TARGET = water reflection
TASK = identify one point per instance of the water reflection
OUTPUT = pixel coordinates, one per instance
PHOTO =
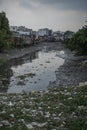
(35, 75)
(6, 71)
(27, 58)
(32, 72)
(5, 75)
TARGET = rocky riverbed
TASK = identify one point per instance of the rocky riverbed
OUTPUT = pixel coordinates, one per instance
(73, 71)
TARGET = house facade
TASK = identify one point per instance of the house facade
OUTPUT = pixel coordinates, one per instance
(21, 34)
(59, 36)
(43, 34)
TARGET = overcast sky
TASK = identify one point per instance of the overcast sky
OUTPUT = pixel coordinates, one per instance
(55, 14)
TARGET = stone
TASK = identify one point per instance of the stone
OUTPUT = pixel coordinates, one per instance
(0, 82)
(1, 125)
(12, 115)
(10, 104)
(81, 84)
(21, 120)
(29, 126)
(39, 124)
(5, 123)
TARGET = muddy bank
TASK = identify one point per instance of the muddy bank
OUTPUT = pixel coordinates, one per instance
(20, 52)
(71, 73)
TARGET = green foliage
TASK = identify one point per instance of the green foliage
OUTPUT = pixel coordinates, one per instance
(1, 61)
(4, 31)
(79, 42)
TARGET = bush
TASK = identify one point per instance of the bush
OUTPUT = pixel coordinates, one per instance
(79, 42)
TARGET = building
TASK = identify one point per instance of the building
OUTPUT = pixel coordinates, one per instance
(44, 32)
(21, 34)
(22, 30)
(13, 28)
(59, 36)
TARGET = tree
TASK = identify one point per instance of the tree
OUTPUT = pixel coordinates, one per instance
(4, 31)
(79, 41)
(68, 35)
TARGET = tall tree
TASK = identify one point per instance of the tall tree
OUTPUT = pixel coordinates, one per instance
(79, 41)
(4, 31)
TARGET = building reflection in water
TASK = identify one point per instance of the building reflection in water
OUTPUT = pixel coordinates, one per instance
(6, 72)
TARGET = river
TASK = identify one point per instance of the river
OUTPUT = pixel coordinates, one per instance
(34, 71)
(50, 65)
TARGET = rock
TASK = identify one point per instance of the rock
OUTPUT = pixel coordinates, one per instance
(86, 83)
(39, 124)
(61, 52)
(21, 121)
(10, 104)
(68, 94)
(2, 112)
(12, 115)
(40, 108)
(29, 126)
(5, 123)
(57, 118)
(81, 107)
(0, 82)
(47, 114)
(70, 98)
(1, 125)
(60, 113)
(11, 118)
(82, 84)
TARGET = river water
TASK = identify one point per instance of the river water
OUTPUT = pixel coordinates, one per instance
(32, 72)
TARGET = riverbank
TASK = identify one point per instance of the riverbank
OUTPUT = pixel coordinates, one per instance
(59, 108)
(71, 73)
(20, 52)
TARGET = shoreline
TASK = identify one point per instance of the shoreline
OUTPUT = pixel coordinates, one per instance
(20, 52)
(71, 73)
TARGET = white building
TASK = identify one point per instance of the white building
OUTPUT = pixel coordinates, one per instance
(59, 36)
(44, 32)
(22, 30)
(13, 28)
